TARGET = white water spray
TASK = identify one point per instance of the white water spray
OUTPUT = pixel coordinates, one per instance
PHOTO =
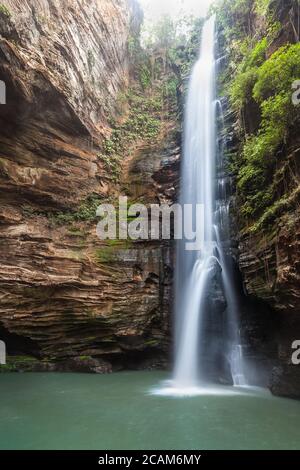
(198, 168)
(193, 270)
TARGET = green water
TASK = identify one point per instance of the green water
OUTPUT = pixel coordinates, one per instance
(76, 411)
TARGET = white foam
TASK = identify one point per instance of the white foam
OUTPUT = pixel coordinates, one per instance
(171, 389)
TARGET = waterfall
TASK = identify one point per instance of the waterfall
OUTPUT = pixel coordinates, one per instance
(235, 348)
(198, 168)
(193, 268)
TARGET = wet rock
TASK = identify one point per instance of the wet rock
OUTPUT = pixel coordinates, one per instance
(86, 365)
(213, 353)
(285, 381)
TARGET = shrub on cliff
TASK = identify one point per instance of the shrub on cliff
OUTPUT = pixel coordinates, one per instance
(272, 91)
(259, 86)
(278, 73)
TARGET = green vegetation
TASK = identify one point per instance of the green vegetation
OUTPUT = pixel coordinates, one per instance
(240, 90)
(17, 363)
(271, 90)
(280, 207)
(263, 83)
(141, 112)
(262, 7)
(133, 47)
(142, 124)
(156, 71)
(74, 230)
(278, 73)
(86, 212)
(177, 42)
(4, 11)
(151, 343)
(145, 77)
(85, 358)
(105, 256)
(108, 253)
(170, 88)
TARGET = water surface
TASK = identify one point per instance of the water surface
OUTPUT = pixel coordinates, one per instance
(106, 412)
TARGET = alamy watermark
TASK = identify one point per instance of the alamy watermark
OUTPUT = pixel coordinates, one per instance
(2, 353)
(2, 92)
(158, 222)
(296, 353)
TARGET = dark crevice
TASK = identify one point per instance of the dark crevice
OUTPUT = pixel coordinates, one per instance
(18, 345)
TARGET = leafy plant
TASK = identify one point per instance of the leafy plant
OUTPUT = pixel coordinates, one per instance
(145, 76)
(278, 73)
(265, 83)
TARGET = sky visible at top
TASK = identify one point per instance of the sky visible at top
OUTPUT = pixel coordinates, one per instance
(155, 9)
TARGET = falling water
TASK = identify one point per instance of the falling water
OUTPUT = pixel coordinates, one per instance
(235, 348)
(194, 268)
(198, 168)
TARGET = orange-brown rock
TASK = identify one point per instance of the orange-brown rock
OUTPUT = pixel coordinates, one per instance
(63, 293)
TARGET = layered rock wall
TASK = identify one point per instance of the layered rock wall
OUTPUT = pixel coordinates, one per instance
(65, 297)
(269, 257)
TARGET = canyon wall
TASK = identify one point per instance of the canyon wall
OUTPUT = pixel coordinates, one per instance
(80, 127)
(268, 235)
(270, 259)
(68, 300)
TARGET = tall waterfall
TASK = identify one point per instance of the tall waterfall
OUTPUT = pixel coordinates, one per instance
(194, 268)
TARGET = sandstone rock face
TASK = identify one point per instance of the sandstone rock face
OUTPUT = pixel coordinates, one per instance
(64, 65)
(270, 267)
(270, 259)
(66, 295)
(74, 50)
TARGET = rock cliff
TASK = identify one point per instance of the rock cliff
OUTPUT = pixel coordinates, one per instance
(268, 239)
(68, 299)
